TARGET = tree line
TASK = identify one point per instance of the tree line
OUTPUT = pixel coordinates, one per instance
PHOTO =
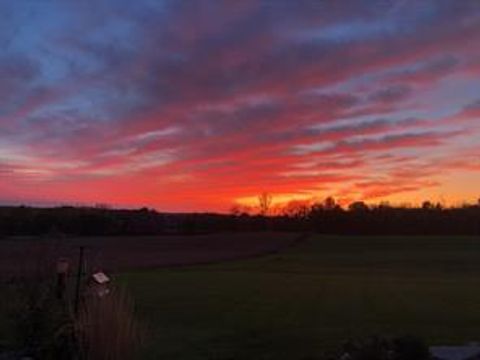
(324, 217)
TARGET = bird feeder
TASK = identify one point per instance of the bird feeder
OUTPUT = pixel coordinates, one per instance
(99, 284)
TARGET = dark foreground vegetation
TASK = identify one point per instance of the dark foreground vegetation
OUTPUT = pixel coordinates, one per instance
(38, 324)
(326, 218)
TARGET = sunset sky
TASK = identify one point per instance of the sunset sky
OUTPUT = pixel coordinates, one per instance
(195, 105)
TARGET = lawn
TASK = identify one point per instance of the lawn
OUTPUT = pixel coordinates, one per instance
(301, 302)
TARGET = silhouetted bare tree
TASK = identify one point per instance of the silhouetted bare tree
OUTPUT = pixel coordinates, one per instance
(264, 203)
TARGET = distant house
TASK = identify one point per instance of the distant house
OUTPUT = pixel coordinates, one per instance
(468, 352)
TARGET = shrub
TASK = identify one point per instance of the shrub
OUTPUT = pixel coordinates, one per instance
(378, 348)
(40, 324)
(106, 327)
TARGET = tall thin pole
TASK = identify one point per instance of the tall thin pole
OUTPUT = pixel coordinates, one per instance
(79, 280)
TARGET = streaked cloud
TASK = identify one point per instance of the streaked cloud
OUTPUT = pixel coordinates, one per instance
(192, 105)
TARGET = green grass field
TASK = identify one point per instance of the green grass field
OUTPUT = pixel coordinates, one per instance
(297, 304)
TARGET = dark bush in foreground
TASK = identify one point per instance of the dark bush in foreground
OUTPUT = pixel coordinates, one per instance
(378, 348)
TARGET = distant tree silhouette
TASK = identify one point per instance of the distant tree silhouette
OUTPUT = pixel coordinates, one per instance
(358, 206)
(326, 217)
(330, 203)
(239, 210)
(264, 203)
(427, 205)
(296, 209)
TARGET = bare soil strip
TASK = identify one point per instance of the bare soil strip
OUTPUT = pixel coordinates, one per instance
(127, 253)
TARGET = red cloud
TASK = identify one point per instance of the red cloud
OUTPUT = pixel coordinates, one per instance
(278, 98)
